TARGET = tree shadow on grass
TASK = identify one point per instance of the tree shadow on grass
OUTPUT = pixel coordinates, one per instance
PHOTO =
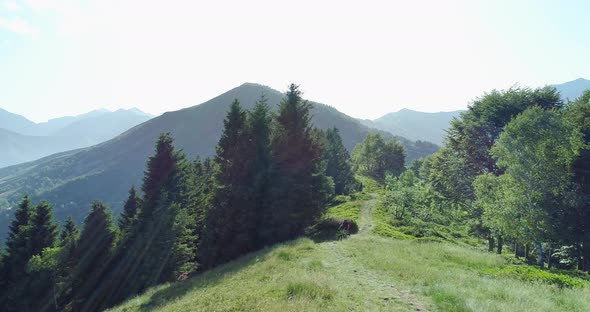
(208, 278)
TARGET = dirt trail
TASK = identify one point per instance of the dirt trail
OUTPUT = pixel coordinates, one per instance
(366, 215)
(385, 294)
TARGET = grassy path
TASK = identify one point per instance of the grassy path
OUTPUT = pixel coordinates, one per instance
(381, 293)
(366, 215)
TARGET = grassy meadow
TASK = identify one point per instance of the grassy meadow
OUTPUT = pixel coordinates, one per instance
(369, 271)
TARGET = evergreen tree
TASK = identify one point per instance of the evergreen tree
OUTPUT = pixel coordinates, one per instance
(339, 163)
(40, 234)
(92, 256)
(68, 243)
(130, 209)
(231, 221)
(155, 249)
(259, 124)
(69, 232)
(43, 230)
(17, 249)
(18, 252)
(295, 163)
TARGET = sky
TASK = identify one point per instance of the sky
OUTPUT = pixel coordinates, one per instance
(366, 58)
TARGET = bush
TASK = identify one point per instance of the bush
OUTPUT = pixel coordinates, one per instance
(384, 229)
(531, 274)
(340, 199)
(327, 229)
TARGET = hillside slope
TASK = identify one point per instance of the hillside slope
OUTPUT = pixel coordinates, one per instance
(571, 90)
(362, 273)
(19, 148)
(106, 171)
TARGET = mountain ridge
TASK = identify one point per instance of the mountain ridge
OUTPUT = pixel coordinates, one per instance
(35, 140)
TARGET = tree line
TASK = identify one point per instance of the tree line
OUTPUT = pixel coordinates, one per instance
(270, 179)
(515, 170)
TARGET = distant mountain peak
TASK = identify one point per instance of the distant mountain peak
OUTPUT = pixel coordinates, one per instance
(571, 90)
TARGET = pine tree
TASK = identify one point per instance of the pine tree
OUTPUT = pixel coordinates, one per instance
(339, 163)
(92, 256)
(43, 230)
(17, 251)
(13, 277)
(68, 241)
(230, 221)
(69, 232)
(41, 233)
(68, 237)
(296, 161)
(259, 124)
(156, 248)
(130, 209)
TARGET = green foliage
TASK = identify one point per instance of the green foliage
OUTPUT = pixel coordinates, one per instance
(43, 230)
(39, 233)
(69, 232)
(349, 210)
(473, 135)
(91, 258)
(401, 196)
(338, 165)
(130, 210)
(299, 187)
(376, 157)
(330, 229)
(231, 219)
(531, 274)
(18, 251)
(534, 153)
(162, 243)
(498, 197)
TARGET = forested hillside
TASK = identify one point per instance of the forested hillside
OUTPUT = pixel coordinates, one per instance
(106, 170)
(191, 215)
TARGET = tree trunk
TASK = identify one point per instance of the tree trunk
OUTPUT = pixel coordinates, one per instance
(500, 244)
(526, 252)
(516, 250)
(585, 255)
(491, 243)
(540, 259)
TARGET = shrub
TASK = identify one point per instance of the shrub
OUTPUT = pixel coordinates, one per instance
(531, 274)
(327, 229)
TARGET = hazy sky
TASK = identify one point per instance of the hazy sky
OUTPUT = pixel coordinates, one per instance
(365, 58)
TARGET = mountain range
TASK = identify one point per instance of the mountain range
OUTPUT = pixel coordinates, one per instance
(23, 140)
(72, 180)
(432, 127)
(415, 125)
(571, 90)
